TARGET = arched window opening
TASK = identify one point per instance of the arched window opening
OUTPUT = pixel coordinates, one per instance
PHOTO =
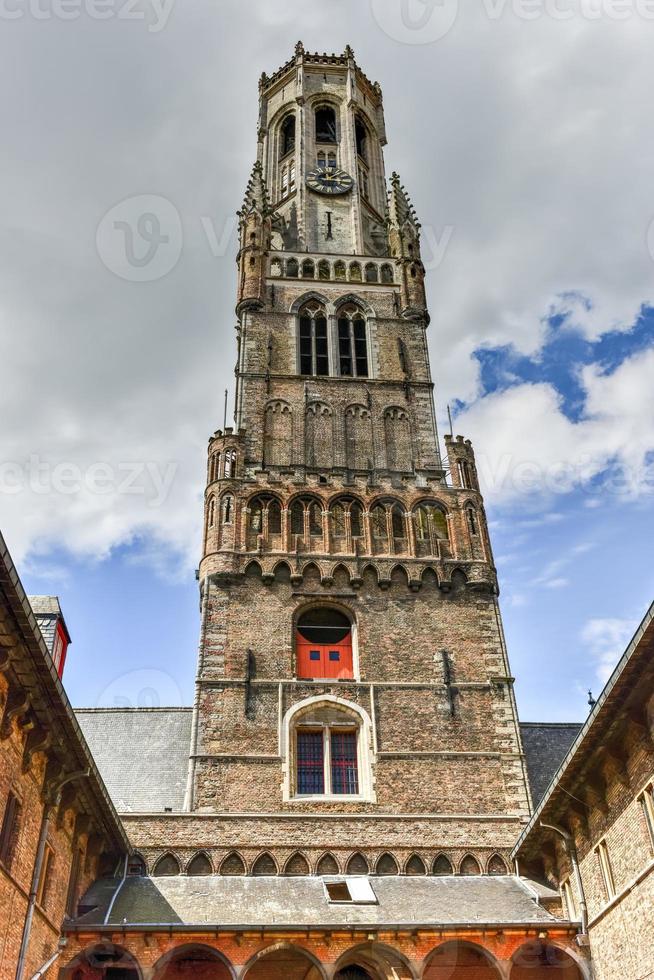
(398, 522)
(325, 124)
(230, 463)
(314, 355)
(292, 269)
(340, 272)
(352, 342)
(497, 865)
(387, 865)
(136, 866)
(287, 134)
(415, 865)
(346, 524)
(306, 522)
(469, 866)
(331, 160)
(297, 864)
(233, 865)
(431, 531)
(308, 269)
(361, 136)
(363, 183)
(442, 866)
(321, 159)
(199, 865)
(228, 509)
(323, 644)
(472, 521)
(539, 959)
(211, 520)
(387, 273)
(289, 962)
(379, 529)
(357, 865)
(460, 959)
(372, 272)
(265, 521)
(324, 272)
(264, 865)
(326, 743)
(464, 474)
(166, 865)
(355, 272)
(327, 865)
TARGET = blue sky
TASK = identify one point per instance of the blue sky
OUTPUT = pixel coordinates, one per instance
(526, 148)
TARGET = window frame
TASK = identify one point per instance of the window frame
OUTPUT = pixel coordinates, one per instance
(327, 730)
(10, 828)
(351, 315)
(313, 313)
(606, 871)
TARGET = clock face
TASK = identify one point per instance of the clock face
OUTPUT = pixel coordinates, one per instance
(329, 180)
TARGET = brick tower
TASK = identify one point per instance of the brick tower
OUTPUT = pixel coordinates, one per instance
(354, 707)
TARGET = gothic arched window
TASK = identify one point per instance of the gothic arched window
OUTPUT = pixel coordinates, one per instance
(355, 272)
(314, 355)
(325, 124)
(340, 272)
(292, 269)
(431, 529)
(386, 273)
(329, 753)
(265, 520)
(308, 269)
(352, 342)
(227, 508)
(306, 521)
(324, 272)
(346, 523)
(372, 272)
(361, 135)
(287, 135)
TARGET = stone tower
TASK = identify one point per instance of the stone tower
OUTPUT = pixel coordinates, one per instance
(354, 706)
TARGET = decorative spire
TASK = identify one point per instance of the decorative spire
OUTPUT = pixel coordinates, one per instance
(400, 208)
(256, 193)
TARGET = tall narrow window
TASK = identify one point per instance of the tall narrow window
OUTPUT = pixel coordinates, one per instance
(9, 830)
(602, 853)
(314, 357)
(46, 874)
(352, 343)
(647, 802)
(325, 125)
(287, 133)
(361, 135)
(345, 778)
(310, 762)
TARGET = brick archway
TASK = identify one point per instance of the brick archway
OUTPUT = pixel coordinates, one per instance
(100, 961)
(461, 960)
(196, 959)
(542, 961)
(283, 961)
(377, 961)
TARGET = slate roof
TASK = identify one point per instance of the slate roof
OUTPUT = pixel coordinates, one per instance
(246, 902)
(545, 746)
(142, 754)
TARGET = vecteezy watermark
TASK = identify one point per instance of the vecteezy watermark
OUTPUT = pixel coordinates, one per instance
(140, 238)
(153, 12)
(592, 10)
(145, 688)
(516, 476)
(147, 479)
(436, 244)
(415, 21)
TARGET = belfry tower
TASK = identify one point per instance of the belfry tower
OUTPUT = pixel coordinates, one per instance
(354, 709)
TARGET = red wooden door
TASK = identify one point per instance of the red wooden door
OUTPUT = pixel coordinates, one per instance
(324, 659)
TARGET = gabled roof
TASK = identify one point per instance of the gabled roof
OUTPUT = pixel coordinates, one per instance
(545, 746)
(142, 753)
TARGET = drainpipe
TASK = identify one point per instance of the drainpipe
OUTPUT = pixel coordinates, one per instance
(41, 972)
(48, 812)
(574, 861)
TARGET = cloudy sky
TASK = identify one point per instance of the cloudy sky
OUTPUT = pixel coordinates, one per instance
(523, 133)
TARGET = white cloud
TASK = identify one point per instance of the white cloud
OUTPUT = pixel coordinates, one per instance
(532, 140)
(606, 640)
(527, 447)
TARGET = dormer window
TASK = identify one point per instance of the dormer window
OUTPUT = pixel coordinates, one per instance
(325, 125)
(354, 891)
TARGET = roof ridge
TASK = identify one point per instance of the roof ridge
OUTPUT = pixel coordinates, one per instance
(172, 707)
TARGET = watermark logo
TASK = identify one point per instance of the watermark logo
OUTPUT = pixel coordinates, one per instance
(415, 21)
(153, 12)
(144, 688)
(140, 239)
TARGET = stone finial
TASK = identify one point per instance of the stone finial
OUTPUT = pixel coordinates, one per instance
(263, 80)
(299, 49)
(349, 52)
